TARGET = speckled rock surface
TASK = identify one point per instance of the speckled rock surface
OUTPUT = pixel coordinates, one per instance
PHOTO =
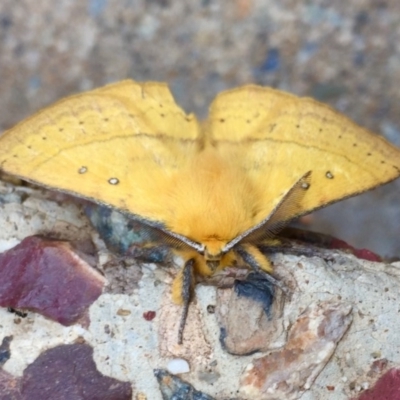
(344, 53)
(336, 330)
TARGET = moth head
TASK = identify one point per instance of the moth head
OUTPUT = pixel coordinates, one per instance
(210, 253)
(213, 253)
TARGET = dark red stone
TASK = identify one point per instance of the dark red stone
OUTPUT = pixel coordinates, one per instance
(149, 315)
(48, 277)
(364, 254)
(10, 386)
(69, 372)
(386, 388)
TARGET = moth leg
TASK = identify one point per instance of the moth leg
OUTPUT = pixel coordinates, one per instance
(253, 257)
(185, 294)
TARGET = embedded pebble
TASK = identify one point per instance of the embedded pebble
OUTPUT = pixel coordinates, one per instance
(178, 366)
(48, 277)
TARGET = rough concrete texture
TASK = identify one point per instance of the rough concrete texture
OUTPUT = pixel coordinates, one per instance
(339, 322)
(343, 53)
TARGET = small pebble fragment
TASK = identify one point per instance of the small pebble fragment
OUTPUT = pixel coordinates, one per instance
(126, 236)
(173, 388)
(178, 366)
(249, 316)
(5, 352)
(149, 315)
(311, 342)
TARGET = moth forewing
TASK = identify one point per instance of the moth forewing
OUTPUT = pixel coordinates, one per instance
(280, 216)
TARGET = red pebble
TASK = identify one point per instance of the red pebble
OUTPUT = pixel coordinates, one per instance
(48, 277)
(69, 372)
(386, 388)
(149, 315)
(364, 254)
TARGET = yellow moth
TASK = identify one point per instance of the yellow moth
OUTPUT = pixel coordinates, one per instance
(216, 189)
